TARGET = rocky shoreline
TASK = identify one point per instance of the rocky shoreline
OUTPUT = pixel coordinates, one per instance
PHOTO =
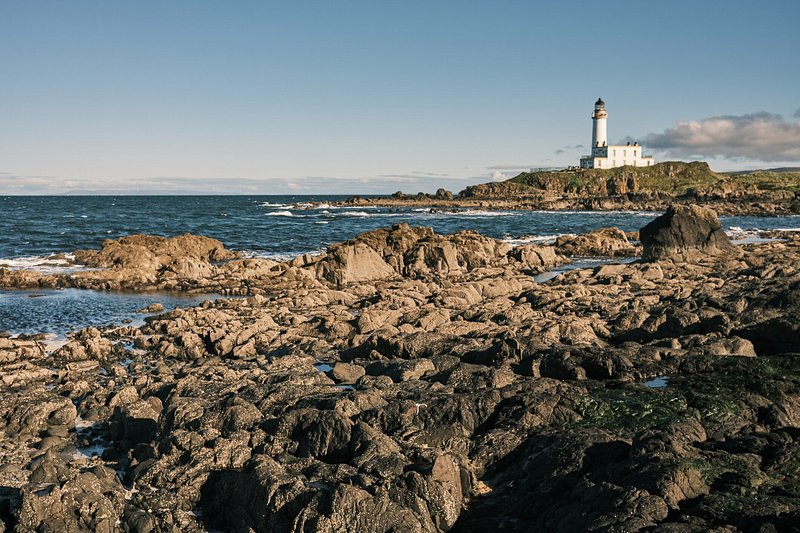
(409, 381)
(505, 197)
(757, 193)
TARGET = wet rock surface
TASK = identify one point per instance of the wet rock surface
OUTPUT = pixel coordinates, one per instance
(437, 387)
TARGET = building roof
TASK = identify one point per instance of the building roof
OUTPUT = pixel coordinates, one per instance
(599, 102)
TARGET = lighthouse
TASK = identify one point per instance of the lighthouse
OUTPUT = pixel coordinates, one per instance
(599, 117)
(605, 156)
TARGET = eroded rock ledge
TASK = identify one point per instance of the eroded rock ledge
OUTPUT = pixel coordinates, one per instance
(398, 383)
(201, 264)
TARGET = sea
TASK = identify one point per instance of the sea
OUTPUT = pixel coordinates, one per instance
(38, 232)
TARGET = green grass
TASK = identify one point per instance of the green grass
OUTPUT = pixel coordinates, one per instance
(673, 177)
(767, 180)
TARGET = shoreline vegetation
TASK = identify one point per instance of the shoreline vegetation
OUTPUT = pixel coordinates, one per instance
(409, 381)
(758, 192)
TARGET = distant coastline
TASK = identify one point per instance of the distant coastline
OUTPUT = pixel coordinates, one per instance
(756, 192)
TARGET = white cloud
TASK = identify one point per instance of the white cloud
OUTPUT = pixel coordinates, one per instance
(513, 168)
(757, 137)
(570, 148)
(499, 176)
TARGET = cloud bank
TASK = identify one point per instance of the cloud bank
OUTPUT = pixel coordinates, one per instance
(757, 137)
(14, 184)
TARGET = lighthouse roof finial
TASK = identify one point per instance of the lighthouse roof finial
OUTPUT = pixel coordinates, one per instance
(599, 102)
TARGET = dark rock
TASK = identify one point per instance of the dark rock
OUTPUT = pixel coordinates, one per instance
(347, 373)
(684, 232)
(443, 194)
(138, 422)
(401, 371)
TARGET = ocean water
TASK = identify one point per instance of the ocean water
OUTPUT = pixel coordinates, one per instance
(34, 228)
(56, 312)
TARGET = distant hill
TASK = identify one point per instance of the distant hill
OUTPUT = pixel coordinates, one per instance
(778, 169)
(675, 178)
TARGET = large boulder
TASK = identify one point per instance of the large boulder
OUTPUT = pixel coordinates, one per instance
(432, 256)
(443, 194)
(411, 252)
(536, 258)
(684, 233)
(354, 263)
(476, 250)
(603, 242)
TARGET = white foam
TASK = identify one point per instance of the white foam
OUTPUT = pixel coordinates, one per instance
(280, 214)
(743, 236)
(277, 256)
(364, 214)
(269, 204)
(736, 232)
(648, 214)
(535, 239)
(46, 264)
(478, 213)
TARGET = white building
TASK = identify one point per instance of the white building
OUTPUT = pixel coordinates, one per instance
(604, 156)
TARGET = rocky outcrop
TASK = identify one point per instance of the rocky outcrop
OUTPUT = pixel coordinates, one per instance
(536, 259)
(201, 264)
(443, 194)
(683, 233)
(153, 252)
(140, 262)
(652, 188)
(417, 252)
(355, 262)
(604, 242)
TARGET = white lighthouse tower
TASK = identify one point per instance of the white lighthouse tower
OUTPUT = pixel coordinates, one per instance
(599, 117)
(605, 156)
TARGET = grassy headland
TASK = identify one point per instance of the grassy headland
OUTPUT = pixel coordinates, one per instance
(672, 177)
(758, 192)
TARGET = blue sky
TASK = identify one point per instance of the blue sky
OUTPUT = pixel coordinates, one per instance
(362, 97)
